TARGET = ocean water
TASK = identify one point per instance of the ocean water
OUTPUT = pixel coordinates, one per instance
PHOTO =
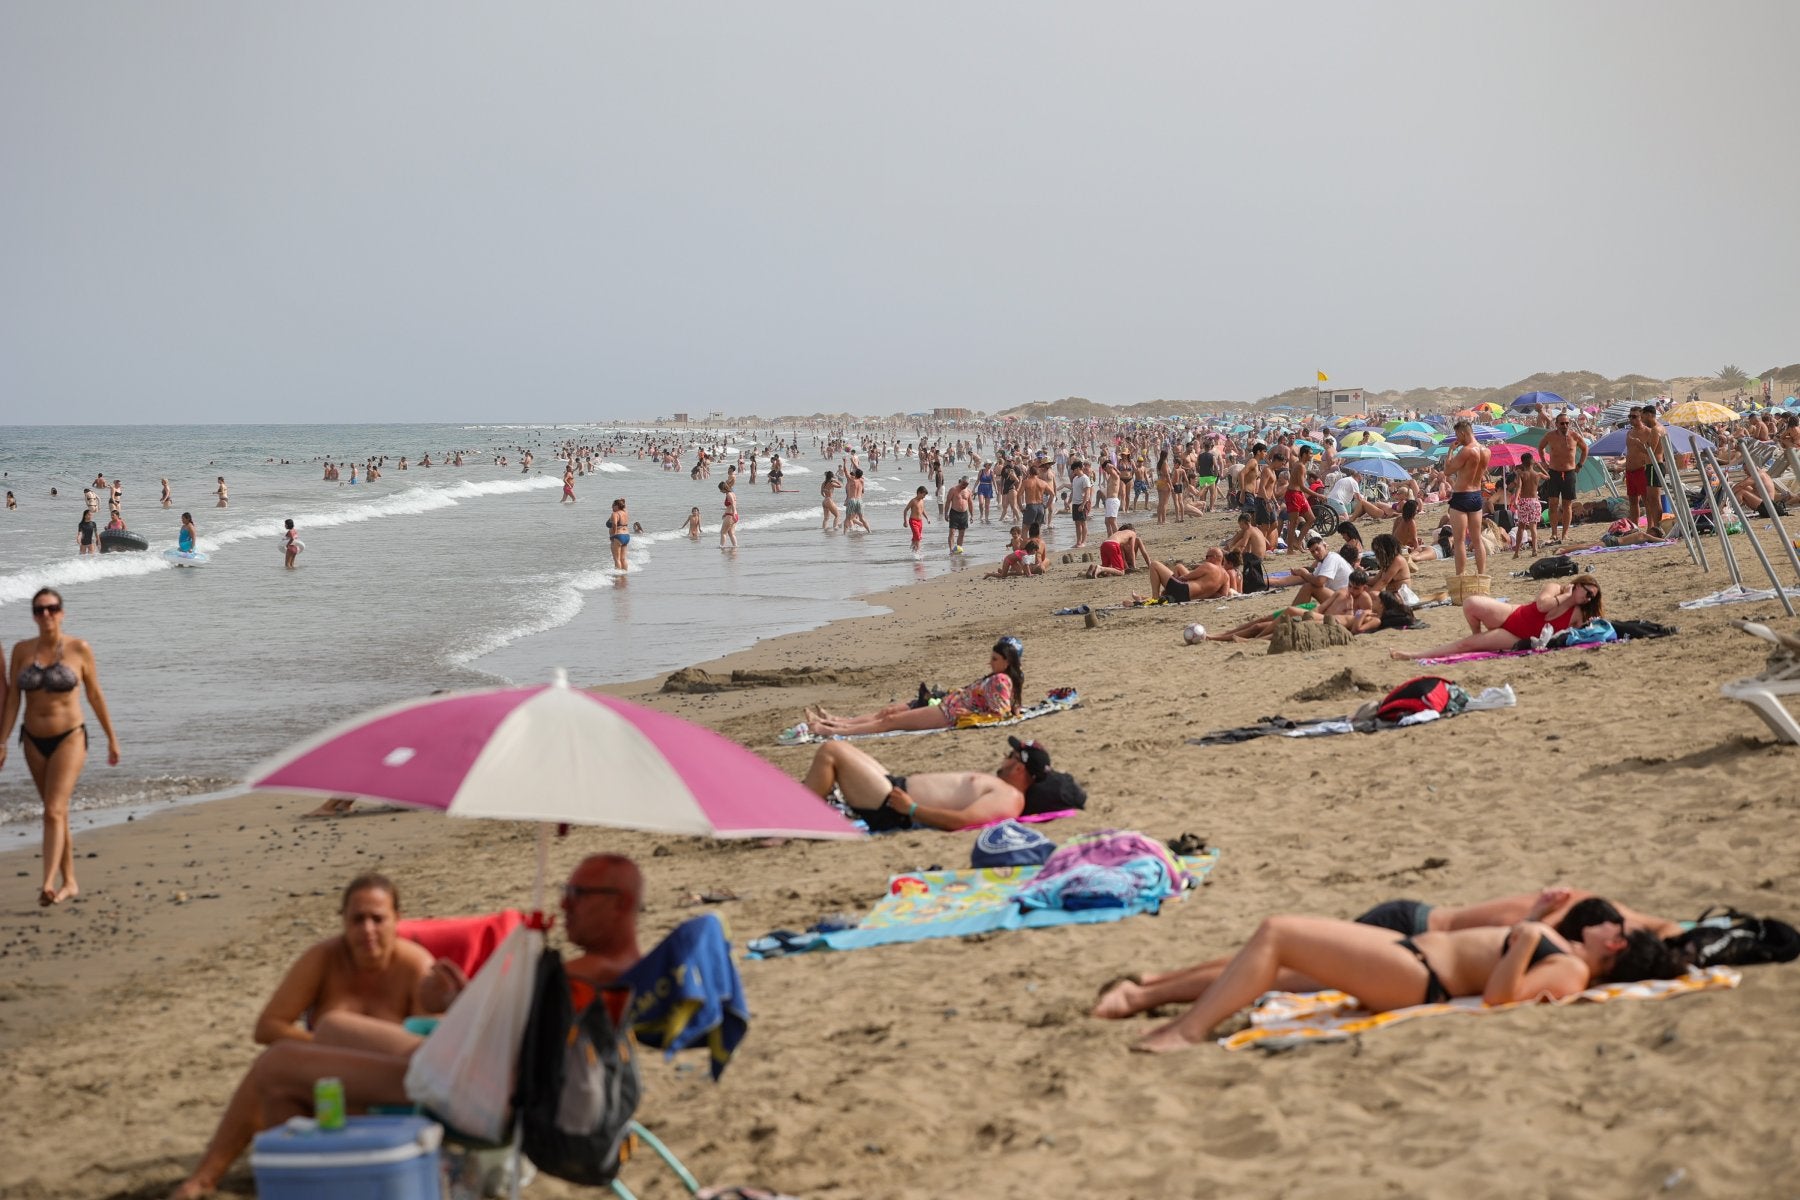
(432, 578)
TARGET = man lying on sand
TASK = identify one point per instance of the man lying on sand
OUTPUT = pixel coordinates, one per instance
(1022, 785)
(600, 906)
(1208, 580)
(1385, 970)
(1131, 995)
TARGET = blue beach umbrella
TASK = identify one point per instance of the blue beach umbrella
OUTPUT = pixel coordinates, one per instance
(1365, 453)
(1411, 427)
(1533, 399)
(1684, 441)
(1379, 468)
(1423, 438)
(1489, 433)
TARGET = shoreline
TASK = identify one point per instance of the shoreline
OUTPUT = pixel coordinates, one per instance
(126, 1017)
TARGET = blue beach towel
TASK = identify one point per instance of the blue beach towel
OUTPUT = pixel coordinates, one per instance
(937, 904)
(686, 991)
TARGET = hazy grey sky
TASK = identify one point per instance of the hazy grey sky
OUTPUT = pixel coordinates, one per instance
(354, 211)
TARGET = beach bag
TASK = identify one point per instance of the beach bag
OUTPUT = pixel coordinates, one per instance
(463, 1073)
(578, 1085)
(1643, 629)
(1427, 693)
(1594, 633)
(1554, 567)
(1735, 940)
(1010, 844)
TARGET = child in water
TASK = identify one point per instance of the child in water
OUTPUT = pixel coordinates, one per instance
(693, 523)
(185, 542)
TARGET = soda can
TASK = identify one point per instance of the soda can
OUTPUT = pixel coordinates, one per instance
(328, 1103)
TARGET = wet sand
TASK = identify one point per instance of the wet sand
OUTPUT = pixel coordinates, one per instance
(970, 1068)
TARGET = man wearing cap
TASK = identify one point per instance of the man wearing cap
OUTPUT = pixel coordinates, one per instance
(1022, 785)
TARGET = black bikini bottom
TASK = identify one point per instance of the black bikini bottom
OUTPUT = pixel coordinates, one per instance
(1435, 991)
(46, 746)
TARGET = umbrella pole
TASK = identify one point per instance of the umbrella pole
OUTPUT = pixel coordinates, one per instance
(1787, 543)
(543, 869)
(1676, 491)
(1721, 518)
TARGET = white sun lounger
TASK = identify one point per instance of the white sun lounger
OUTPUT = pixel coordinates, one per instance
(1780, 677)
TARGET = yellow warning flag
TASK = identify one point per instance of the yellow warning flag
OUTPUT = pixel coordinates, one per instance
(1324, 378)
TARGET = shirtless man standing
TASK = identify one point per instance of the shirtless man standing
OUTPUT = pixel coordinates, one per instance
(958, 503)
(853, 500)
(1643, 460)
(1465, 467)
(1564, 452)
(1034, 496)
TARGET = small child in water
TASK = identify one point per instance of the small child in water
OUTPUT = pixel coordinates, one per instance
(693, 523)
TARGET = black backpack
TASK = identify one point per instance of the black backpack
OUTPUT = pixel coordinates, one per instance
(578, 1084)
(1554, 567)
(1742, 941)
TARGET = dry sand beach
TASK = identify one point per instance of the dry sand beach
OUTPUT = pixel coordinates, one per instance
(970, 1068)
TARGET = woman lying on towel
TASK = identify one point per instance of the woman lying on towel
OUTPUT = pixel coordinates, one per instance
(1496, 626)
(996, 694)
(1531, 961)
(1358, 608)
(1131, 995)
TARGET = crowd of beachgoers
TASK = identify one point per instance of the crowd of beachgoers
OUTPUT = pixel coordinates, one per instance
(1341, 510)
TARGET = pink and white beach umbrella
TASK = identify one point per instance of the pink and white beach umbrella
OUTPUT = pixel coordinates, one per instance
(554, 754)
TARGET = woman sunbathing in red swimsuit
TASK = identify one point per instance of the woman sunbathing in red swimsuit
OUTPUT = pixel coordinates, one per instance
(1495, 625)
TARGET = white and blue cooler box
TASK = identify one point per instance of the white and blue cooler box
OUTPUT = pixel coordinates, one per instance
(371, 1158)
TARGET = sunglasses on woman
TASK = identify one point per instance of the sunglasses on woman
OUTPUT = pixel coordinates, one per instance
(44, 610)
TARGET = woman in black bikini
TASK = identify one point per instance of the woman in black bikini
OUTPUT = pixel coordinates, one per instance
(45, 672)
(1386, 971)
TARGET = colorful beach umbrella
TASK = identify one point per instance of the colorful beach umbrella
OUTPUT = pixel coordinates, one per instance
(1380, 468)
(552, 753)
(1371, 451)
(1700, 412)
(1488, 433)
(1508, 454)
(1363, 437)
(1411, 427)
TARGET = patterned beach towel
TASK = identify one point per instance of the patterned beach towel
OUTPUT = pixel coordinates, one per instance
(937, 904)
(1736, 594)
(1060, 700)
(1284, 1018)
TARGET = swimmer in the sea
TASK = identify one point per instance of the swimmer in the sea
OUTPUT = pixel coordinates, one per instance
(693, 523)
(223, 494)
(166, 499)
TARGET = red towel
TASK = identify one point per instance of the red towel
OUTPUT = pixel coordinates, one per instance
(465, 941)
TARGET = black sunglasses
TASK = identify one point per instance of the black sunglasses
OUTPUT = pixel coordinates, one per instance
(573, 892)
(44, 610)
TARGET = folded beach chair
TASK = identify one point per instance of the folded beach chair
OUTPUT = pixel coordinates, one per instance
(687, 993)
(1780, 677)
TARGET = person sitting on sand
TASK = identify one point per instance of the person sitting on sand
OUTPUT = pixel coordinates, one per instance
(1023, 785)
(1328, 575)
(1496, 626)
(600, 905)
(1358, 608)
(1530, 961)
(1025, 558)
(1208, 580)
(365, 969)
(1251, 548)
(995, 695)
(1119, 554)
(1131, 995)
